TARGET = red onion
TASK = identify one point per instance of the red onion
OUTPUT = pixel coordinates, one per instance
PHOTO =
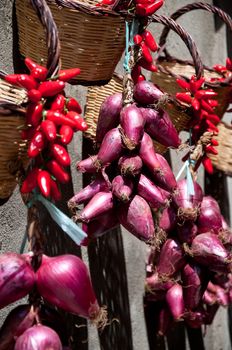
(111, 148)
(122, 188)
(136, 217)
(195, 319)
(188, 204)
(17, 322)
(132, 123)
(160, 127)
(165, 176)
(171, 259)
(187, 232)
(38, 337)
(64, 282)
(130, 165)
(208, 250)
(98, 205)
(175, 301)
(17, 277)
(146, 93)
(210, 216)
(154, 195)
(154, 283)
(87, 165)
(84, 195)
(148, 154)
(167, 220)
(165, 321)
(109, 115)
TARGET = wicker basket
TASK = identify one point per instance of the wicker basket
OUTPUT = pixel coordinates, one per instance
(13, 102)
(91, 38)
(170, 68)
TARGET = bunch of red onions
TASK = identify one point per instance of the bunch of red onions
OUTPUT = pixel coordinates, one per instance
(191, 274)
(143, 181)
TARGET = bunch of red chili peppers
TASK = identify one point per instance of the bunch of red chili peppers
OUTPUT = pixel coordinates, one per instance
(226, 70)
(51, 119)
(142, 8)
(203, 103)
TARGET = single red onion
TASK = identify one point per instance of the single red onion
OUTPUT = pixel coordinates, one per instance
(219, 292)
(211, 311)
(167, 220)
(188, 205)
(147, 93)
(87, 165)
(165, 176)
(64, 281)
(109, 115)
(154, 195)
(132, 123)
(98, 205)
(160, 127)
(154, 283)
(122, 188)
(165, 321)
(171, 259)
(130, 165)
(208, 250)
(137, 218)
(187, 232)
(111, 148)
(17, 277)
(148, 155)
(84, 195)
(17, 322)
(38, 337)
(210, 216)
(194, 285)
(175, 301)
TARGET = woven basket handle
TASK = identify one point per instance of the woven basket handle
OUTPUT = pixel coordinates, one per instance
(171, 24)
(52, 36)
(195, 6)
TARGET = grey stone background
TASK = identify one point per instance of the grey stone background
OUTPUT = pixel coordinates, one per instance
(128, 295)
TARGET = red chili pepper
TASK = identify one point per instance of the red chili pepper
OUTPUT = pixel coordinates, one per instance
(205, 94)
(206, 106)
(55, 192)
(36, 145)
(136, 71)
(229, 63)
(34, 95)
(34, 114)
(149, 40)
(80, 123)
(30, 181)
(37, 71)
(184, 97)
(60, 154)
(203, 114)
(66, 133)
(211, 149)
(57, 171)
(219, 68)
(211, 126)
(212, 103)
(214, 142)
(196, 104)
(183, 84)
(207, 165)
(68, 74)
(59, 118)
(44, 182)
(24, 80)
(51, 88)
(146, 52)
(214, 118)
(73, 105)
(148, 66)
(58, 103)
(49, 129)
(141, 78)
(195, 85)
(137, 39)
(12, 79)
(144, 11)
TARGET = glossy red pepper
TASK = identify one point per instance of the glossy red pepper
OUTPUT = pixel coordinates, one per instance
(146, 52)
(23, 80)
(219, 68)
(68, 74)
(34, 114)
(229, 63)
(66, 134)
(203, 114)
(148, 66)
(196, 84)
(30, 181)
(214, 142)
(60, 154)
(49, 129)
(211, 149)
(44, 182)
(137, 39)
(207, 165)
(37, 71)
(205, 94)
(195, 104)
(57, 171)
(59, 118)
(149, 40)
(144, 10)
(51, 88)
(136, 71)
(183, 84)
(72, 105)
(212, 103)
(141, 77)
(211, 126)
(80, 123)
(58, 104)
(55, 192)
(34, 95)
(184, 97)
(214, 118)
(36, 145)
(207, 106)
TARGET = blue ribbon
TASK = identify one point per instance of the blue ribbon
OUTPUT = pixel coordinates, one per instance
(130, 32)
